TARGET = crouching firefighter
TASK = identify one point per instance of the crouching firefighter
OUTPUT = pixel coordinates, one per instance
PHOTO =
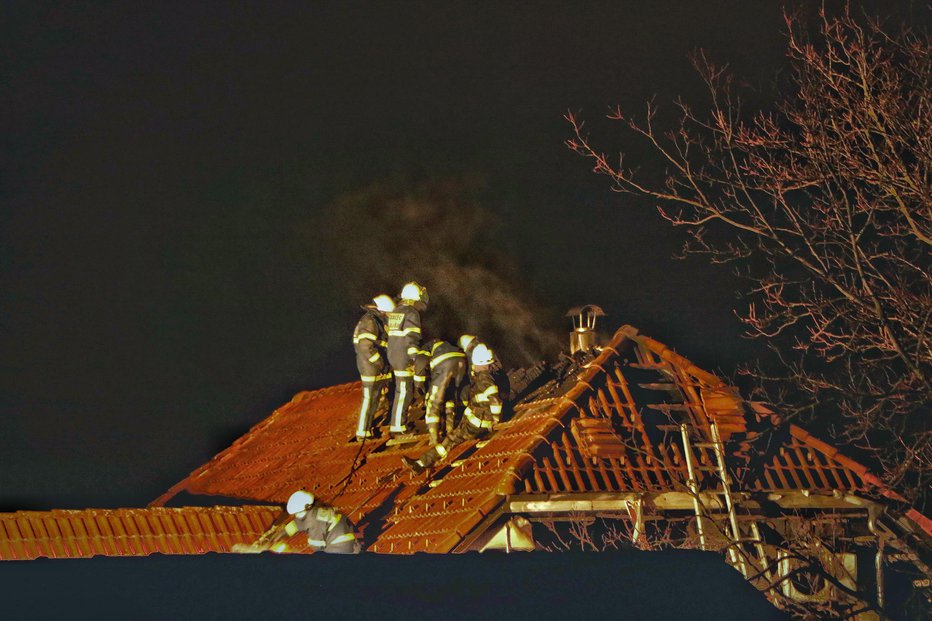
(484, 409)
(370, 341)
(404, 339)
(448, 385)
(327, 530)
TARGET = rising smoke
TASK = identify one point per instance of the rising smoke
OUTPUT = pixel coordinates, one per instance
(436, 232)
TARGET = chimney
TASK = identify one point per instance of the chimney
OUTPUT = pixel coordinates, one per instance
(584, 335)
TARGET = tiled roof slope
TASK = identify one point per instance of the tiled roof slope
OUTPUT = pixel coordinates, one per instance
(61, 533)
(612, 426)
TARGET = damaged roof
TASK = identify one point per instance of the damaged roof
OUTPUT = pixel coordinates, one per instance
(629, 420)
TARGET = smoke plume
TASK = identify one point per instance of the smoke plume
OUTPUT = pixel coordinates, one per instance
(437, 233)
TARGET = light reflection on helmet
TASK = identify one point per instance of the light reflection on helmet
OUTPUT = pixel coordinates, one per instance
(299, 501)
(414, 292)
(482, 356)
(384, 303)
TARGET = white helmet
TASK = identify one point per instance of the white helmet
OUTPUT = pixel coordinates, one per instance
(482, 356)
(465, 340)
(299, 501)
(384, 303)
(415, 292)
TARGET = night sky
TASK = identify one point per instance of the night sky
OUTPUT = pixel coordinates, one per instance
(160, 163)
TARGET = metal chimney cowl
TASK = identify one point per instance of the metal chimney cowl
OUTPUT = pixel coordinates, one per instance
(584, 336)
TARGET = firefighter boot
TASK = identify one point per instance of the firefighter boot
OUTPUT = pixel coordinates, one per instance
(412, 464)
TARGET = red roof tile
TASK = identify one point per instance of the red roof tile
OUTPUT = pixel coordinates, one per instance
(132, 532)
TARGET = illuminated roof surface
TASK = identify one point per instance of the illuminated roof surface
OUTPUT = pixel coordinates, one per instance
(130, 532)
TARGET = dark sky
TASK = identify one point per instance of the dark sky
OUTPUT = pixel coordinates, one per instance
(158, 162)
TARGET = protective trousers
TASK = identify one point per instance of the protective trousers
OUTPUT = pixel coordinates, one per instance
(372, 387)
(404, 337)
(446, 384)
(404, 392)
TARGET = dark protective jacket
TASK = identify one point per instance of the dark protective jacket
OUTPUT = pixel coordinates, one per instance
(370, 341)
(439, 357)
(446, 365)
(327, 530)
(485, 402)
(404, 336)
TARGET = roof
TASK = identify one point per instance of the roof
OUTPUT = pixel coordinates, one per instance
(610, 424)
(60, 533)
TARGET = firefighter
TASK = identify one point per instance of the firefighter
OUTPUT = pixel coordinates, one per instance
(327, 530)
(404, 339)
(483, 411)
(370, 341)
(448, 373)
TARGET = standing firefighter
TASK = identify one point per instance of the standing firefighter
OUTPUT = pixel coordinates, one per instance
(327, 530)
(447, 364)
(404, 339)
(483, 411)
(370, 341)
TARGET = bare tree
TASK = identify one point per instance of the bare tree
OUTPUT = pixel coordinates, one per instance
(824, 202)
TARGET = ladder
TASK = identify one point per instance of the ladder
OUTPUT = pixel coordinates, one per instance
(735, 552)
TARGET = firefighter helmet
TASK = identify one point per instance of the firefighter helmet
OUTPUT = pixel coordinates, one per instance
(482, 356)
(465, 340)
(384, 303)
(414, 292)
(299, 501)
